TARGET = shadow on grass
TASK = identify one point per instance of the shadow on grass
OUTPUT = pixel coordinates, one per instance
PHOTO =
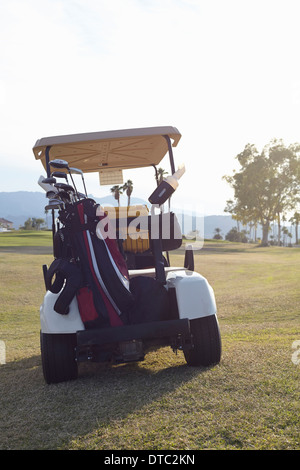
(34, 415)
(224, 248)
(27, 250)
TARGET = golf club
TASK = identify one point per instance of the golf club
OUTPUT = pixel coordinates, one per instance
(46, 186)
(63, 164)
(65, 196)
(64, 189)
(49, 180)
(54, 204)
(77, 171)
(51, 194)
(59, 174)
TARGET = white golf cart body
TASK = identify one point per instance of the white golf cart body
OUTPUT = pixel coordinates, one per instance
(195, 299)
(113, 151)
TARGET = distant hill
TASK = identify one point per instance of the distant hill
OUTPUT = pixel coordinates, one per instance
(20, 205)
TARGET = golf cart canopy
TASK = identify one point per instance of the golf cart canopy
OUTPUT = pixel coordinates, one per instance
(110, 150)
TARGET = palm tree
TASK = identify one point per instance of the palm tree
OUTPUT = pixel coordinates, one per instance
(46, 212)
(117, 191)
(161, 172)
(285, 233)
(128, 187)
(295, 221)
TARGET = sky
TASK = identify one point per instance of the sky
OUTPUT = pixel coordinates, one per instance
(224, 73)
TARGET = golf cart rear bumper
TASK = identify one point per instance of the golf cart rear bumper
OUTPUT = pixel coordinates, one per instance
(90, 343)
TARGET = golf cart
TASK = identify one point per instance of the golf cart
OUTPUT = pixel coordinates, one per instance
(111, 293)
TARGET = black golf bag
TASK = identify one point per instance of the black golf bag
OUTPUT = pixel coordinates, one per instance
(89, 265)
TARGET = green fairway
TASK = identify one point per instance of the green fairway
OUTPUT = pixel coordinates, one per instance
(249, 401)
(25, 238)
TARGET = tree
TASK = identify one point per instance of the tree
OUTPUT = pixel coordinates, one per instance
(46, 213)
(217, 235)
(117, 191)
(128, 187)
(33, 224)
(235, 236)
(295, 220)
(27, 224)
(161, 172)
(37, 222)
(285, 234)
(266, 185)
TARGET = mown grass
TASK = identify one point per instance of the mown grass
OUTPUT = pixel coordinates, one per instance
(25, 238)
(249, 401)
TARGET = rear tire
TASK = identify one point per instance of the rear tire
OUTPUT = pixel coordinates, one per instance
(58, 357)
(206, 349)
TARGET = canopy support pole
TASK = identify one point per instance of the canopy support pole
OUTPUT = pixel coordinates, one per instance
(47, 156)
(170, 154)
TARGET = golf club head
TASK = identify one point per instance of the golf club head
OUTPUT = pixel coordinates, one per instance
(54, 204)
(64, 187)
(46, 186)
(59, 174)
(76, 171)
(63, 164)
(57, 163)
(49, 180)
(64, 196)
(51, 194)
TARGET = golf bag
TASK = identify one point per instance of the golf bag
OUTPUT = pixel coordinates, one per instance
(89, 264)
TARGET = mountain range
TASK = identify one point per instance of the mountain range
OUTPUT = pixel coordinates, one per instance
(18, 206)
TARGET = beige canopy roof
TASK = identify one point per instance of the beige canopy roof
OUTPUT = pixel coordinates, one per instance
(95, 151)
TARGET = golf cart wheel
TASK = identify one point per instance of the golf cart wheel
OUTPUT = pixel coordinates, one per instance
(58, 357)
(206, 349)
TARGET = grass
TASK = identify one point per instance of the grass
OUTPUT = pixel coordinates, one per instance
(249, 401)
(25, 238)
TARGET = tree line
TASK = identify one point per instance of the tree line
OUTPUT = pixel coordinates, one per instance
(266, 188)
(266, 191)
(33, 224)
(245, 236)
